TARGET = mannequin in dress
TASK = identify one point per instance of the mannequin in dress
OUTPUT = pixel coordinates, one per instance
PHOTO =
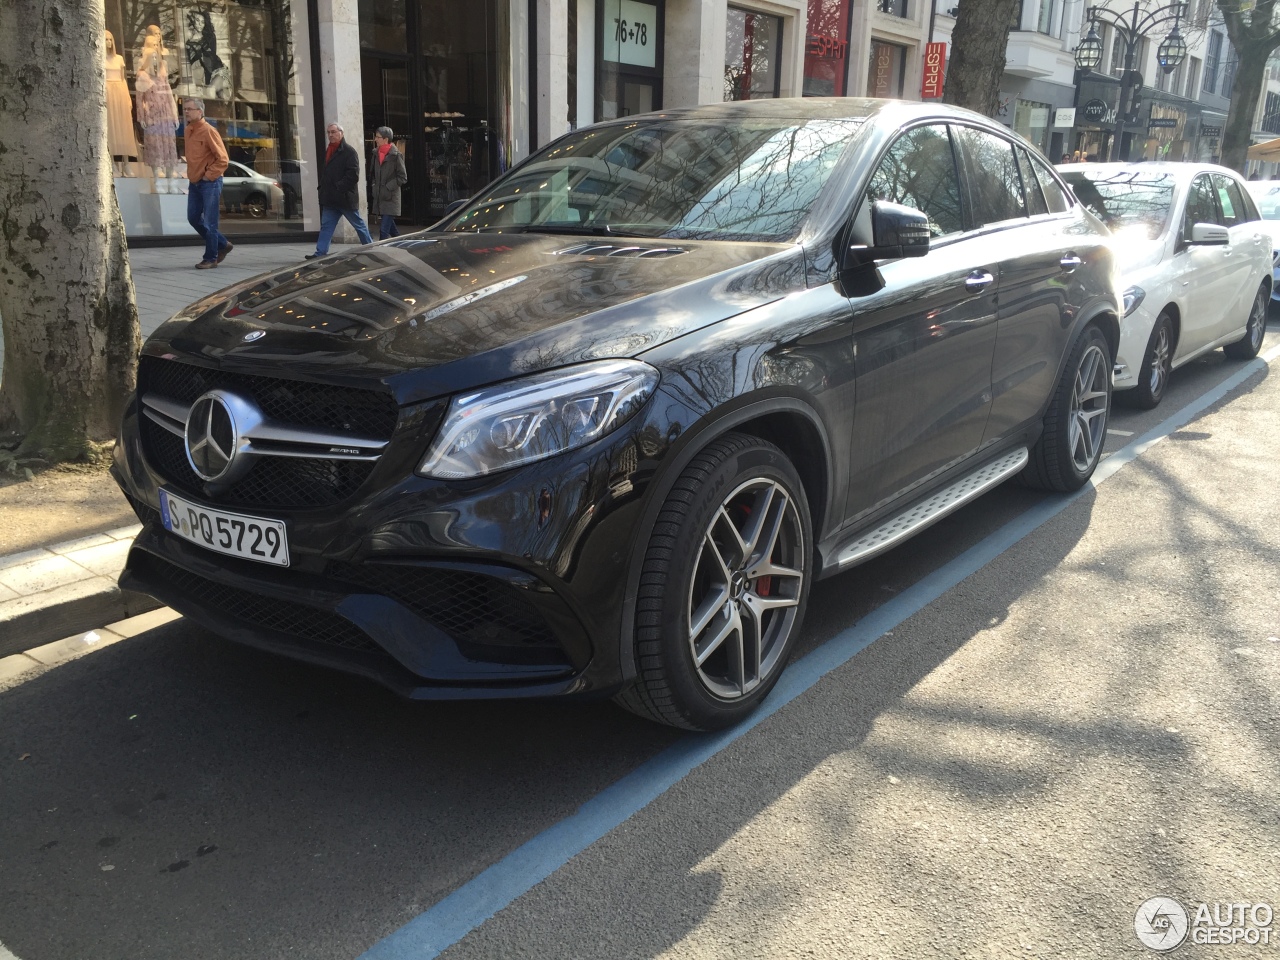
(157, 112)
(120, 139)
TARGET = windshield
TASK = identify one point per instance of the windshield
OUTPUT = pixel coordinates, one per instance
(1127, 201)
(728, 179)
(1266, 193)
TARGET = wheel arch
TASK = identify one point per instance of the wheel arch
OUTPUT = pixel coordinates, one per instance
(790, 424)
(1174, 313)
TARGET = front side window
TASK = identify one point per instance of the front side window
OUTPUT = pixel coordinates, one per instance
(1202, 204)
(1035, 198)
(1128, 201)
(994, 183)
(919, 170)
(1231, 199)
(723, 180)
(1054, 195)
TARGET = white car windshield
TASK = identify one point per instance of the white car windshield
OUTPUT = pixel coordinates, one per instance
(1126, 200)
(716, 180)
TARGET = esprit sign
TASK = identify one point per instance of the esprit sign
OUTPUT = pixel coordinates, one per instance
(825, 48)
(935, 58)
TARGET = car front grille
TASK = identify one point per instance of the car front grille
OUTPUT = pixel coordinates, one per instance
(303, 471)
(489, 618)
(266, 613)
(296, 402)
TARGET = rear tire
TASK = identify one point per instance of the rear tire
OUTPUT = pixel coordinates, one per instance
(1247, 347)
(1075, 425)
(723, 588)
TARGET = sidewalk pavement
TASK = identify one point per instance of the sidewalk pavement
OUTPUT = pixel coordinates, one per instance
(55, 600)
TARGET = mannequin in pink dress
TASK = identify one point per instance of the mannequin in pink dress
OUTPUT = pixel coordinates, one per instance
(157, 112)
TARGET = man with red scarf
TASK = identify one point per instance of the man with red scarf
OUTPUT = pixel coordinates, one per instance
(339, 177)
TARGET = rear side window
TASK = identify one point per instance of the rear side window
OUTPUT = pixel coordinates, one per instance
(1235, 208)
(994, 184)
(919, 170)
(1202, 205)
(1035, 198)
(1054, 195)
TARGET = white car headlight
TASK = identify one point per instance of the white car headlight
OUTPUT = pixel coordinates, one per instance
(1132, 297)
(536, 417)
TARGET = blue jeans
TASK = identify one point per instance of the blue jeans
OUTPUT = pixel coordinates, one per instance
(329, 217)
(388, 227)
(202, 214)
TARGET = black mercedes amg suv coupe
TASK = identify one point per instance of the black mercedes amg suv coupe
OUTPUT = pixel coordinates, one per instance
(599, 430)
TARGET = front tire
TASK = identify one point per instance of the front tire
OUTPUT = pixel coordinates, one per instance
(723, 588)
(1247, 347)
(1157, 363)
(1075, 425)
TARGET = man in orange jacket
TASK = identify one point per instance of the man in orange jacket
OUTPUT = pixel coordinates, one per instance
(206, 163)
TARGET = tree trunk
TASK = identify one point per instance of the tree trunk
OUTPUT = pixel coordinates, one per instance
(66, 293)
(978, 54)
(1246, 88)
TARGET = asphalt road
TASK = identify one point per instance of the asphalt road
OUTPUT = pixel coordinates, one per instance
(1089, 720)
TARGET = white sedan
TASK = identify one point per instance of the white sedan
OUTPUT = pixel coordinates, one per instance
(1195, 265)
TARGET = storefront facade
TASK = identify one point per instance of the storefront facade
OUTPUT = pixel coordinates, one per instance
(468, 89)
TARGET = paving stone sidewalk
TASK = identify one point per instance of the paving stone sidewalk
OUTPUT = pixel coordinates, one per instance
(64, 591)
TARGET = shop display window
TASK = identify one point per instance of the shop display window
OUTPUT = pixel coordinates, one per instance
(243, 59)
(826, 49)
(752, 55)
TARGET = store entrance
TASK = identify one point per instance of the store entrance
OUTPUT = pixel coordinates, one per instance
(438, 91)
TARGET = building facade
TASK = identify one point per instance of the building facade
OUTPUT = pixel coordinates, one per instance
(470, 88)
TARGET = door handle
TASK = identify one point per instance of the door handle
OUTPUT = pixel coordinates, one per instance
(977, 281)
(1070, 262)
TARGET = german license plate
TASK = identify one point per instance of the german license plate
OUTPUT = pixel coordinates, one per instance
(235, 534)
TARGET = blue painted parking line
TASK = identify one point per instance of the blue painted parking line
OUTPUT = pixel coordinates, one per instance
(430, 933)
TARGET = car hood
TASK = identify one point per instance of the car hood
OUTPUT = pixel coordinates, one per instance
(432, 313)
(1135, 253)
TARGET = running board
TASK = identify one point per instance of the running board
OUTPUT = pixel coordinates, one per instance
(910, 522)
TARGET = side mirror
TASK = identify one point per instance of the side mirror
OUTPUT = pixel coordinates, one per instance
(897, 231)
(456, 205)
(1209, 235)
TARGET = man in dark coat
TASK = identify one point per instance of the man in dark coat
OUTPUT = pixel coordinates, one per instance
(339, 196)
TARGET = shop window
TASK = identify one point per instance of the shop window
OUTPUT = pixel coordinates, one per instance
(753, 51)
(1031, 119)
(886, 70)
(241, 59)
(383, 26)
(826, 48)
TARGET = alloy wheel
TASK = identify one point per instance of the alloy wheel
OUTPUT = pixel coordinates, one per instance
(1159, 371)
(1258, 321)
(1088, 418)
(746, 589)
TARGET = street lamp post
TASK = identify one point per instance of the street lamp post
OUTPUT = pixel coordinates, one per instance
(1131, 27)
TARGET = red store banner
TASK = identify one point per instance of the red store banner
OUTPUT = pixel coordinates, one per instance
(935, 59)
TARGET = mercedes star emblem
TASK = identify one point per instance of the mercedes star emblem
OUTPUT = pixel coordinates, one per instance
(212, 437)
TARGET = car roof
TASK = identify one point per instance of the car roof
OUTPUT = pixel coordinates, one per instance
(824, 108)
(1181, 171)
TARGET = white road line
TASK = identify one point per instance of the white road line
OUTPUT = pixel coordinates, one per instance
(1119, 433)
(443, 925)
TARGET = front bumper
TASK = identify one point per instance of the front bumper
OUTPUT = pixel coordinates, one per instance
(508, 586)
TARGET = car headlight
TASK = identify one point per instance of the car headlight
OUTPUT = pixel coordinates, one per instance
(536, 417)
(1132, 297)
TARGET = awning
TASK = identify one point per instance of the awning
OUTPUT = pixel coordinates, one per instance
(1268, 150)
